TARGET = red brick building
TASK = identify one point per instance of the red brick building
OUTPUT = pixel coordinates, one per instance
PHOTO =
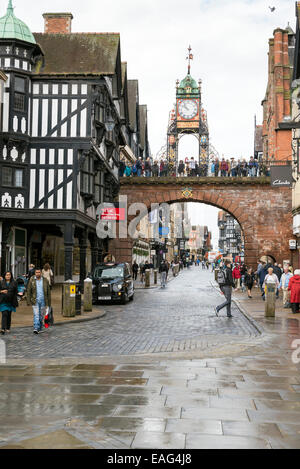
(277, 135)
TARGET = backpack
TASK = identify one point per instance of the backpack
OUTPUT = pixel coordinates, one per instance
(221, 278)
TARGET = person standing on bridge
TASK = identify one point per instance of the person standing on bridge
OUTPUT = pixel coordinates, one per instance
(226, 284)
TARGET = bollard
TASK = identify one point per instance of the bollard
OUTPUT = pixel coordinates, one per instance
(69, 299)
(270, 300)
(147, 278)
(155, 277)
(88, 295)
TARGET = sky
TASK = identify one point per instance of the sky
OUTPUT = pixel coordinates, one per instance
(229, 40)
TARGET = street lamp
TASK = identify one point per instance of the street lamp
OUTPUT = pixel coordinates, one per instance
(110, 123)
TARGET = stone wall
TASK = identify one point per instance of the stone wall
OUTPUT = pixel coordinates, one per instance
(264, 213)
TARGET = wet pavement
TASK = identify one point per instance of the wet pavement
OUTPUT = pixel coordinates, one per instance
(228, 386)
(180, 318)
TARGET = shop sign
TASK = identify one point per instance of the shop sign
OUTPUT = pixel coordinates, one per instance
(113, 213)
(281, 176)
(293, 244)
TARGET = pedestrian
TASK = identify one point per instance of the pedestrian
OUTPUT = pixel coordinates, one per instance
(284, 286)
(31, 271)
(217, 167)
(39, 297)
(128, 170)
(139, 167)
(226, 283)
(270, 278)
(8, 300)
(277, 270)
(142, 271)
(122, 168)
(148, 168)
(135, 269)
(181, 169)
(236, 274)
(48, 274)
(155, 169)
(224, 168)
(163, 270)
(294, 288)
(249, 281)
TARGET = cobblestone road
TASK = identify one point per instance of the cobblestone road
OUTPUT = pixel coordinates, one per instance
(180, 318)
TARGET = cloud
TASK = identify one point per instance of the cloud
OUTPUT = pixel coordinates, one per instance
(230, 46)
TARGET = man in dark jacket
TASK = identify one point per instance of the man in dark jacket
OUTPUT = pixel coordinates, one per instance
(163, 270)
(39, 297)
(226, 289)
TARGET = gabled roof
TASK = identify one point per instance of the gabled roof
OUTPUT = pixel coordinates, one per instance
(133, 100)
(143, 125)
(79, 53)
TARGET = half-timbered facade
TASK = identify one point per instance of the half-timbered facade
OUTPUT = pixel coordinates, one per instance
(64, 121)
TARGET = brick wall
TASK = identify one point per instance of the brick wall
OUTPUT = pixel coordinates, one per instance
(264, 213)
(58, 23)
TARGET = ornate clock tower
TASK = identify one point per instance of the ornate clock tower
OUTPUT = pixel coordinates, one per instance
(188, 117)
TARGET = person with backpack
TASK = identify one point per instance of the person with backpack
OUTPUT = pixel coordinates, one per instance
(163, 270)
(226, 284)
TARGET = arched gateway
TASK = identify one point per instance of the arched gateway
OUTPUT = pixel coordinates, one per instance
(264, 212)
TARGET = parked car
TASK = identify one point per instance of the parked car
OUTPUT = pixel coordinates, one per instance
(112, 282)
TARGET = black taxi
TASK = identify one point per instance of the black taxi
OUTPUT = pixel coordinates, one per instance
(112, 282)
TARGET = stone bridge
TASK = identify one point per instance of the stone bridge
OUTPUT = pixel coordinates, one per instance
(263, 212)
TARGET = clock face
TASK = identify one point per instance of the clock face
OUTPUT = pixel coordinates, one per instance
(187, 108)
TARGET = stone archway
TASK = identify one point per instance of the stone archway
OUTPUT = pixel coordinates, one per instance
(264, 213)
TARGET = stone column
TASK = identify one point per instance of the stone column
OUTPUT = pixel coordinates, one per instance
(83, 248)
(5, 233)
(69, 246)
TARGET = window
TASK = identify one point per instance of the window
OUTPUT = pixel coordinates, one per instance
(19, 178)
(12, 177)
(87, 176)
(20, 89)
(20, 84)
(98, 190)
(7, 176)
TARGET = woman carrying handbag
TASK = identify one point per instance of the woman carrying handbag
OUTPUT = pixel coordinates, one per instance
(8, 300)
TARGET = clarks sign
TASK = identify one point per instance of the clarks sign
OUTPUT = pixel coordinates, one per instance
(281, 176)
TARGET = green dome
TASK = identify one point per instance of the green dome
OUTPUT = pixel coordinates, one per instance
(13, 28)
(188, 82)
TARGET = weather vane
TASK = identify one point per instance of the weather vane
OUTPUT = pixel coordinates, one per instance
(189, 58)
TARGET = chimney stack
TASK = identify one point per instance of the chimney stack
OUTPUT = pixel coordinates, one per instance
(58, 23)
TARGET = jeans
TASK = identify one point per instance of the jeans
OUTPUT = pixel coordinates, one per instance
(6, 320)
(163, 279)
(39, 311)
(227, 292)
(139, 172)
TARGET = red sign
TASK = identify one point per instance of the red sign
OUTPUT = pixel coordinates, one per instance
(113, 214)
